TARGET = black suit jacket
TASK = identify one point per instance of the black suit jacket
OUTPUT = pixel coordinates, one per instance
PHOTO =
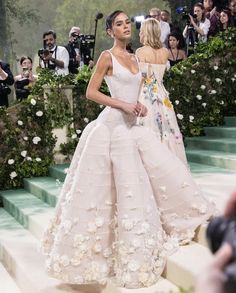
(4, 89)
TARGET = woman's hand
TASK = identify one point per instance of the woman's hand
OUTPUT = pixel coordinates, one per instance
(138, 110)
(130, 108)
(141, 109)
(192, 20)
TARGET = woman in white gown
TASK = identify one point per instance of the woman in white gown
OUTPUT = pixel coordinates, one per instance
(126, 200)
(153, 62)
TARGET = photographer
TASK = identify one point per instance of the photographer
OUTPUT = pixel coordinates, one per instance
(198, 23)
(6, 78)
(73, 49)
(52, 56)
(78, 50)
(214, 279)
(24, 79)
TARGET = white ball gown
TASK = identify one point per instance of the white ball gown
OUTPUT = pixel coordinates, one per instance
(125, 203)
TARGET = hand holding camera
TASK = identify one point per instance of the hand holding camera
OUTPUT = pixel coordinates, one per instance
(220, 276)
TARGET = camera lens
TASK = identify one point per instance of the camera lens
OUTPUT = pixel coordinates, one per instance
(215, 232)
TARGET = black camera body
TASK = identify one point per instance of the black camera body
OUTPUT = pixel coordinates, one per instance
(4, 89)
(219, 231)
(185, 12)
(44, 52)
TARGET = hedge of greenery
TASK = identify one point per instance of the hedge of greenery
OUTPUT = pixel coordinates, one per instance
(202, 89)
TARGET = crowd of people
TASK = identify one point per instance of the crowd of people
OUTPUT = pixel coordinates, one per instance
(128, 200)
(205, 21)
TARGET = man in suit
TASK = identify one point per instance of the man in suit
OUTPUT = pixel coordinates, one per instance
(6, 78)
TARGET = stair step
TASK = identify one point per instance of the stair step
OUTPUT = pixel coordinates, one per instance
(59, 171)
(19, 253)
(8, 285)
(184, 266)
(28, 210)
(219, 159)
(214, 144)
(200, 169)
(45, 188)
(230, 120)
(162, 286)
(221, 131)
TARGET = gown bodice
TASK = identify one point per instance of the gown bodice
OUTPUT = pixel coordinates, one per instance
(147, 69)
(123, 85)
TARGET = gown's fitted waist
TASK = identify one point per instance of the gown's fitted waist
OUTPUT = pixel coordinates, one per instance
(112, 117)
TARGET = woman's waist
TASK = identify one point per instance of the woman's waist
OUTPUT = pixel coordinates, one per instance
(114, 115)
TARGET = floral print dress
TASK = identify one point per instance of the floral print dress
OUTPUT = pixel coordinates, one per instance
(161, 115)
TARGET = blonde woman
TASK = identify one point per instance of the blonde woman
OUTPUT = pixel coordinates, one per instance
(153, 61)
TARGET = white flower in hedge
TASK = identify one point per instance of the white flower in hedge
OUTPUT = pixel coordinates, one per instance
(78, 131)
(36, 139)
(101, 106)
(235, 75)
(74, 136)
(213, 92)
(23, 153)
(25, 138)
(191, 118)
(39, 113)
(176, 102)
(19, 122)
(28, 158)
(218, 80)
(86, 120)
(10, 161)
(233, 79)
(33, 102)
(199, 97)
(203, 86)
(13, 175)
(222, 102)
(204, 104)
(38, 160)
(215, 67)
(180, 116)
(193, 71)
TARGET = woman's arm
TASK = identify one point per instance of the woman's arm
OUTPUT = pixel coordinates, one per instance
(103, 67)
(196, 27)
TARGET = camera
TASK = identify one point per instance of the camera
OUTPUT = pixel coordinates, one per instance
(43, 52)
(4, 89)
(185, 12)
(26, 72)
(219, 231)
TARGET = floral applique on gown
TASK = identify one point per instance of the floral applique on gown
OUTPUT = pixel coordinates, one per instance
(125, 203)
(161, 115)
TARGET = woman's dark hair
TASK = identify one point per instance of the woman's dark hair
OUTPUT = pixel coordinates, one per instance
(229, 23)
(110, 19)
(200, 5)
(23, 58)
(179, 37)
(50, 32)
